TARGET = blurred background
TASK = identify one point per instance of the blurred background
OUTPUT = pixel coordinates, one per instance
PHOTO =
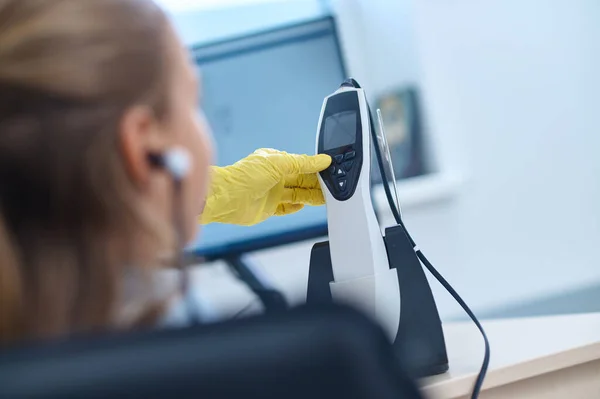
(491, 112)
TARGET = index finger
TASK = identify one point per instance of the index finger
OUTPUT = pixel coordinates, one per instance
(291, 164)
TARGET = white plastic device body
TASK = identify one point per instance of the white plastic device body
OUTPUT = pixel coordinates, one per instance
(362, 276)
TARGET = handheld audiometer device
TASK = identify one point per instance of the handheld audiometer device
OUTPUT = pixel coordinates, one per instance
(362, 276)
(356, 256)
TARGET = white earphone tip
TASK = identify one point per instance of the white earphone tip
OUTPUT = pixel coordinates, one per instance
(179, 162)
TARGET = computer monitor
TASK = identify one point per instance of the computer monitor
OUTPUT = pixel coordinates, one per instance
(320, 353)
(266, 90)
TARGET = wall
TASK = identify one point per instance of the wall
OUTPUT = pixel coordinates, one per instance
(379, 41)
(510, 89)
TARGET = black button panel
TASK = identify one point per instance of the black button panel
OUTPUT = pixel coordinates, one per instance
(343, 172)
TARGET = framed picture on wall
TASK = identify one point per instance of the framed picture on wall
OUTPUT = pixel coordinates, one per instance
(402, 122)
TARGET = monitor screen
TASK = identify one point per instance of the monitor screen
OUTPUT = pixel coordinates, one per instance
(266, 90)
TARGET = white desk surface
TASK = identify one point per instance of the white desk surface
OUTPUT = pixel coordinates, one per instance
(521, 348)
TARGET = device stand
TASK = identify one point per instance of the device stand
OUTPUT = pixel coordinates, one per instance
(272, 299)
(420, 339)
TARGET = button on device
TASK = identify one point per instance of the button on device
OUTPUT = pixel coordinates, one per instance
(348, 165)
(332, 169)
(339, 158)
(342, 184)
(340, 173)
(349, 155)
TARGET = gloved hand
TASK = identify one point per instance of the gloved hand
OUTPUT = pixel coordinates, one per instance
(266, 183)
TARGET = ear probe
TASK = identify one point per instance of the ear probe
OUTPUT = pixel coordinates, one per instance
(176, 161)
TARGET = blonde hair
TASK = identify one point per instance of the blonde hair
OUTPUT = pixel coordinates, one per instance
(69, 70)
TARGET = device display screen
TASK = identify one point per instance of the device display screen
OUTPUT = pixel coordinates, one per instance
(340, 130)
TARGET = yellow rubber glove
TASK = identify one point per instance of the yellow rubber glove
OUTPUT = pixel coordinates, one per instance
(266, 183)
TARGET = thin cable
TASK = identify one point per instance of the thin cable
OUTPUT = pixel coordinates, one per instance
(486, 358)
(448, 287)
(247, 307)
(191, 307)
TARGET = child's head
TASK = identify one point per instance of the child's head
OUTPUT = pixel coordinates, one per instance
(87, 89)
